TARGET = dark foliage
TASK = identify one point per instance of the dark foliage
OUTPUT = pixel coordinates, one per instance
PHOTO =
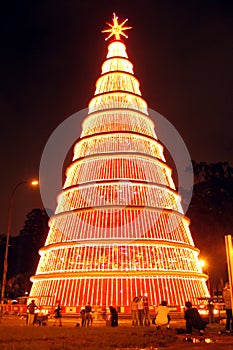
(23, 252)
(211, 214)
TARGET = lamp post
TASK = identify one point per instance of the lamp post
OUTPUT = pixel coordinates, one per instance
(229, 254)
(204, 264)
(5, 264)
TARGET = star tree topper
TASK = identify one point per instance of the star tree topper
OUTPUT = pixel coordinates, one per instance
(116, 28)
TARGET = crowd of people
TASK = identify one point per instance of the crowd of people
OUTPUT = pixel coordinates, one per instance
(141, 315)
(140, 312)
(86, 315)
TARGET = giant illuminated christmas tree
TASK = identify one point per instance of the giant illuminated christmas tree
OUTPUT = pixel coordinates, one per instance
(119, 229)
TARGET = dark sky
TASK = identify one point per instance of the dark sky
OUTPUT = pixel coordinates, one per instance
(51, 54)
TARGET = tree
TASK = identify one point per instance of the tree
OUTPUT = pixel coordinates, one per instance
(211, 217)
(18, 285)
(23, 252)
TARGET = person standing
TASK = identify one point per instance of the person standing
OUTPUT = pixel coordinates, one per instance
(162, 317)
(210, 307)
(146, 312)
(88, 314)
(57, 315)
(141, 310)
(134, 311)
(83, 317)
(193, 319)
(228, 307)
(114, 316)
(31, 312)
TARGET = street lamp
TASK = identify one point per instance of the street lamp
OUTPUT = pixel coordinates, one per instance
(204, 264)
(5, 264)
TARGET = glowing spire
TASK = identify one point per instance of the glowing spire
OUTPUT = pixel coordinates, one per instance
(116, 29)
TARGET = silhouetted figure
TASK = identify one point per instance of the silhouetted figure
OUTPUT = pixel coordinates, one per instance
(83, 317)
(193, 319)
(114, 316)
(211, 311)
(57, 315)
(134, 311)
(88, 314)
(31, 312)
(146, 312)
(141, 310)
(226, 293)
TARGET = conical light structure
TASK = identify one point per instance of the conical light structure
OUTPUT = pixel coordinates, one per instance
(119, 230)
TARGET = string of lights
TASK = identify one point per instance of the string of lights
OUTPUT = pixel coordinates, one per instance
(119, 229)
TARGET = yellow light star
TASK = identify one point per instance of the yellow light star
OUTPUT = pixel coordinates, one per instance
(116, 28)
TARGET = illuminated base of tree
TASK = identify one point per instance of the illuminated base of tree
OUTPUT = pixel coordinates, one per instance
(118, 291)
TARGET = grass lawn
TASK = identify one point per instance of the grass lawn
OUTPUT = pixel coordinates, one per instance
(106, 338)
(17, 336)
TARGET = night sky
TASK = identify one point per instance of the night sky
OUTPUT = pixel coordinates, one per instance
(51, 55)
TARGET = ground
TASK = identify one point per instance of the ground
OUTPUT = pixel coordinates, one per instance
(15, 335)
